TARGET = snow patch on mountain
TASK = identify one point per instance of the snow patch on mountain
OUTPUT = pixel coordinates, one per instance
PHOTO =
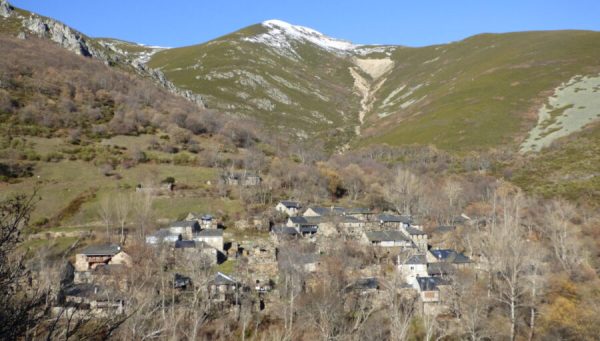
(280, 35)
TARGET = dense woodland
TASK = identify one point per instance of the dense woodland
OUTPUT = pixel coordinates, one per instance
(540, 279)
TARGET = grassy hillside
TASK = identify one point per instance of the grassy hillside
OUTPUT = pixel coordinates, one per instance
(480, 92)
(570, 168)
(78, 131)
(300, 96)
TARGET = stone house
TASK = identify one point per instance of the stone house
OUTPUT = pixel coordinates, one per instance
(185, 228)
(324, 211)
(458, 260)
(391, 221)
(412, 267)
(200, 252)
(163, 235)
(245, 179)
(224, 289)
(418, 236)
(87, 299)
(360, 213)
(305, 225)
(212, 237)
(389, 238)
(291, 208)
(97, 255)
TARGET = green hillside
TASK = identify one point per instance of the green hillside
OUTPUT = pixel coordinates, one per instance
(302, 97)
(480, 92)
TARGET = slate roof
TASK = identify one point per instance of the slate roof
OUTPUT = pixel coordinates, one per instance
(416, 259)
(222, 279)
(390, 218)
(379, 236)
(284, 230)
(101, 250)
(211, 233)
(327, 211)
(450, 256)
(308, 229)
(305, 220)
(185, 244)
(290, 204)
(91, 291)
(431, 283)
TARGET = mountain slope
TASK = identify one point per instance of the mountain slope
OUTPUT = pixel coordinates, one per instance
(481, 92)
(266, 72)
(128, 56)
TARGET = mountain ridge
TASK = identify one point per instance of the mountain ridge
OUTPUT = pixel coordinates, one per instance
(308, 85)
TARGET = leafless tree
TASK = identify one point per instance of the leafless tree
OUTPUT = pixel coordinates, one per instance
(405, 191)
(401, 306)
(105, 212)
(563, 235)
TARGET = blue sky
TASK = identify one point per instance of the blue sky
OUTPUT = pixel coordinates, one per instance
(412, 23)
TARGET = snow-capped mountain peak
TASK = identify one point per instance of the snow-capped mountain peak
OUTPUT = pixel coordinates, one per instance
(281, 33)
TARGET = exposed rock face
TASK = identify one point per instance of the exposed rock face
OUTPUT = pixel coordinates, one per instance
(75, 41)
(60, 34)
(160, 78)
(5, 9)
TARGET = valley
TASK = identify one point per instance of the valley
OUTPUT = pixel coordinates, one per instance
(276, 183)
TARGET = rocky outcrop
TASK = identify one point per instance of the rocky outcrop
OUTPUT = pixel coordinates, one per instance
(60, 34)
(160, 78)
(5, 9)
(78, 43)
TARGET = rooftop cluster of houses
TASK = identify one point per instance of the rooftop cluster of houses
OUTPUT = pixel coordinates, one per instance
(424, 267)
(196, 230)
(198, 239)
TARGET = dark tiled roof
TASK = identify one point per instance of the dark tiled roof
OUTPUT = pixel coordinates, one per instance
(185, 244)
(290, 204)
(390, 218)
(184, 223)
(305, 220)
(91, 291)
(378, 236)
(430, 283)
(284, 230)
(222, 279)
(327, 211)
(450, 256)
(416, 259)
(308, 229)
(211, 233)
(102, 250)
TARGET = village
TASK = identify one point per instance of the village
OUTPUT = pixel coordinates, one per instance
(398, 256)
